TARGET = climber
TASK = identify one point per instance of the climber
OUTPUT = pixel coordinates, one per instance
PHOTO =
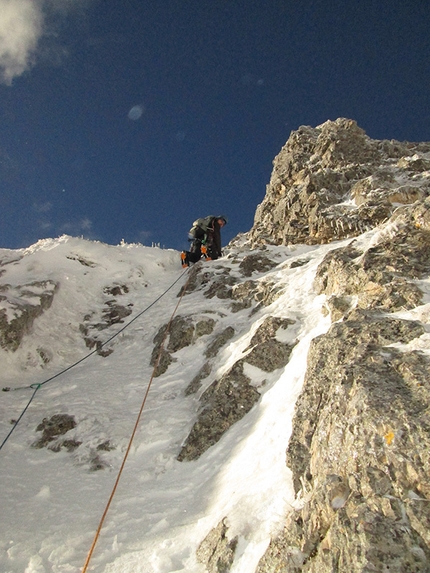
(205, 237)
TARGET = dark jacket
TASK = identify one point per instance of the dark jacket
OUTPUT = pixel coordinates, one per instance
(208, 229)
(216, 238)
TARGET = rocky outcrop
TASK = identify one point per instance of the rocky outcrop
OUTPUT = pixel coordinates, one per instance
(219, 341)
(333, 181)
(383, 277)
(111, 314)
(266, 351)
(361, 430)
(216, 551)
(59, 433)
(221, 283)
(229, 399)
(196, 382)
(52, 429)
(180, 333)
(21, 306)
(224, 403)
(259, 262)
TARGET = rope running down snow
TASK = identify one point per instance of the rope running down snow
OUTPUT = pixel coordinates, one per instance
(37, 386)
(167, 330)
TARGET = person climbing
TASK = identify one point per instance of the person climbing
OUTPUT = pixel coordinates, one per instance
(205, 237)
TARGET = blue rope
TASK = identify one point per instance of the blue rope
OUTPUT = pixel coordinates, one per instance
(16, 422)
(38, 385)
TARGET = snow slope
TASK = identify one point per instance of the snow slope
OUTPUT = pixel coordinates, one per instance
(52, 502)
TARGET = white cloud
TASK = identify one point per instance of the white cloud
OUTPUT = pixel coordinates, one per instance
(23, 24)
(21, 27)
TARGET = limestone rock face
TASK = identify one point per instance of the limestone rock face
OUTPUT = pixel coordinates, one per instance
(382, 277)
(359, 454)
(333, 181)
(361, 430)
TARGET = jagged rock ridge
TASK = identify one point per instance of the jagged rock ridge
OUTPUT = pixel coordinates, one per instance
(333, 181)
(361, 432)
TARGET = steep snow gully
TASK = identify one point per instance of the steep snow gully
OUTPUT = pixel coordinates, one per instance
(53, 495)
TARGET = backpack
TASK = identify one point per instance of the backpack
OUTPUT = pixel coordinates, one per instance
(200, 228)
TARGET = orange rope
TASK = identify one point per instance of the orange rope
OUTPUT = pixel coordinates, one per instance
(97, 535)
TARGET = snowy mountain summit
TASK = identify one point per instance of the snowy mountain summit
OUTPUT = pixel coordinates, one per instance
(265, 412)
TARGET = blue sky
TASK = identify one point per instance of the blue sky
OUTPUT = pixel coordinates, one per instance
(129, 119)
